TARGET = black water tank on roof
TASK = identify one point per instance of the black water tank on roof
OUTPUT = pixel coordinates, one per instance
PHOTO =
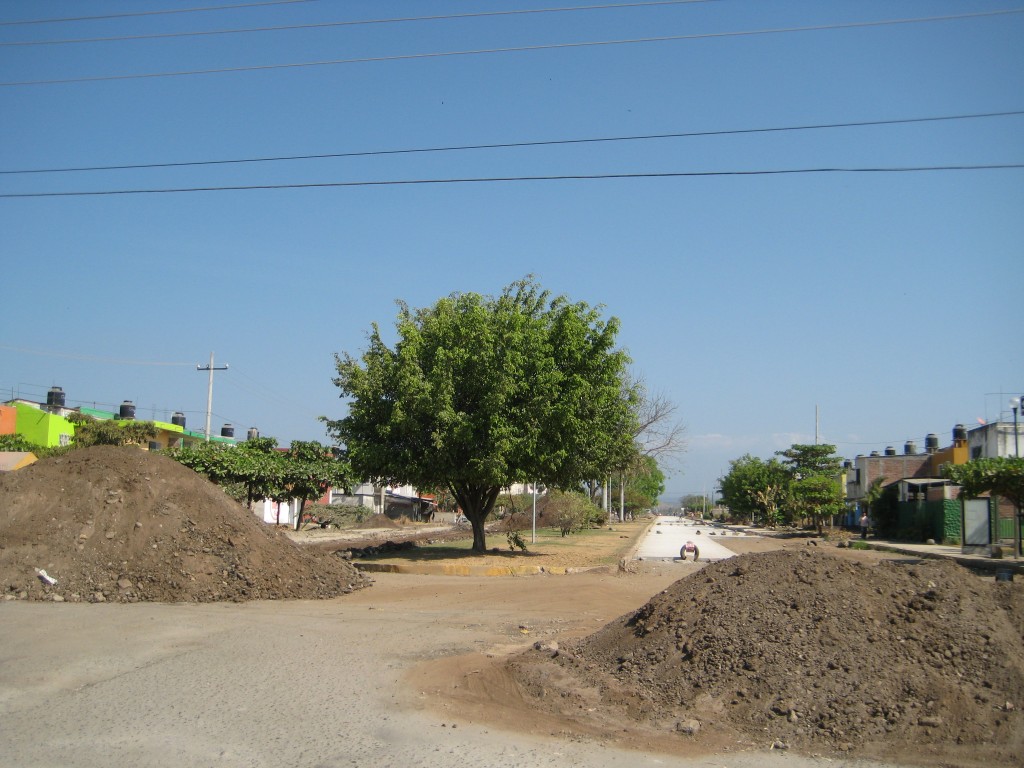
(127, 410)
(55, 397)
(910, 448)
(931, 442)
(890, 451)
(179, 419)
(252, 434)
(959, 432)
(227, 431)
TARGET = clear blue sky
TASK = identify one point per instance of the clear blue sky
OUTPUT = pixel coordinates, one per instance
(891, 301)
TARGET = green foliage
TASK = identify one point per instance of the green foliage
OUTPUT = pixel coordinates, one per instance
(757, 489)
(19, 444)
(815, 491)
(694, 503)
(305, 471)
(339, 515)
(817, 498)
(808, 460)
(645, 482)
(573, 512)
(999, 477)
(481, 392)
(90, 431)
(515, 540)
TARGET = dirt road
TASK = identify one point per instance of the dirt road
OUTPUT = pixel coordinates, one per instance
(354, 681)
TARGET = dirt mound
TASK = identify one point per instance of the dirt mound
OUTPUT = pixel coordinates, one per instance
(379, 521)
(126, 525)
(811, 651)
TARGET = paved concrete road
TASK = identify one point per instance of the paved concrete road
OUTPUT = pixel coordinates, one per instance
(668, 534)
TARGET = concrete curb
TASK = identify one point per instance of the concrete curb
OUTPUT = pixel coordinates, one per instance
(975, 562)
(452, 569)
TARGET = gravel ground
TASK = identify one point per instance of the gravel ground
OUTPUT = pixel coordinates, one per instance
(353, 681)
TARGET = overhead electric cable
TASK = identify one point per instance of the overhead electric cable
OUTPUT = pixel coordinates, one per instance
(515, 49)
(497, 179)
(152, 13)
(517, 144)
(358, 22)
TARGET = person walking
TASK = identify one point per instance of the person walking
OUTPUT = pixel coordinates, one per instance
(864, 522)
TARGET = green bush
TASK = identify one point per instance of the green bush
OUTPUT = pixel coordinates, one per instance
(572, 512)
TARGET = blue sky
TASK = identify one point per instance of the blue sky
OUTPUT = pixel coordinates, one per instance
(889, 301)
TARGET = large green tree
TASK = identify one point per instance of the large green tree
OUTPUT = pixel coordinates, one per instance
(756, 488)
(815, 492)
(480, 392)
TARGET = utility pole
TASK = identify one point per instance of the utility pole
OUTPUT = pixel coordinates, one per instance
(209, 391)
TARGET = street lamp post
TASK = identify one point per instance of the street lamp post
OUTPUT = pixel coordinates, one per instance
(1015, 405)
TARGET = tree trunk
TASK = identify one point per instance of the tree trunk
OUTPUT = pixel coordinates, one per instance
(477, 503)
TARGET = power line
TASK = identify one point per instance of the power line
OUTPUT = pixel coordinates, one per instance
(518, 144)
(360, 22)
(514, 49)
(152, 13)
(498, 179)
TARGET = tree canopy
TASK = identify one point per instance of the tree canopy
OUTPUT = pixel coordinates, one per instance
(756, 488)
(999, 476)
(480, 392)
(815, 491)
(256, 469)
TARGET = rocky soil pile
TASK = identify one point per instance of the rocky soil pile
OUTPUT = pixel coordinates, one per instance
(122, 524)
(807, 650)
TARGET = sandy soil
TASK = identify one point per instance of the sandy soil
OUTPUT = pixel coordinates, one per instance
(357, 680)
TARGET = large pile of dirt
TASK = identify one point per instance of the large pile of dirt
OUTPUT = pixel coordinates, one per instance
(123, 524)
(807, 650)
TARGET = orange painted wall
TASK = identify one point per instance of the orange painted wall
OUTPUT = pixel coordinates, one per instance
(8, 419)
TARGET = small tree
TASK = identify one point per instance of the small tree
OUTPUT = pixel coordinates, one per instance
(90, 431)
(256, 469)
(815, 491)
(998, 476)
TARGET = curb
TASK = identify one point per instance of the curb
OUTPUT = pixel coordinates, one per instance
(987, 564)
(449, 569)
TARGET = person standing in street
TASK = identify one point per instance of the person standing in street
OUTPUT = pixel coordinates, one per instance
(864, 522)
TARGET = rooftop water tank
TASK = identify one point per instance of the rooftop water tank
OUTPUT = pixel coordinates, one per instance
(227, 431)
(931, 442)
(127, 410)
(959, 433)
(910, 448)
(890, 451)
(55, 397)
(252, 434)
(179, 419)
